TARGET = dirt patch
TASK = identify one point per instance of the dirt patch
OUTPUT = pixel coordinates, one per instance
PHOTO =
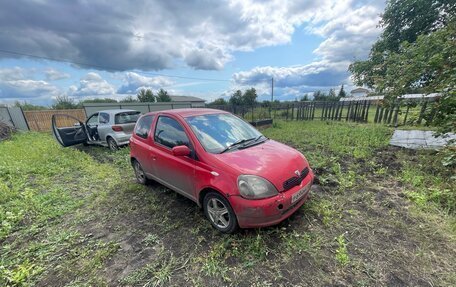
(160, 232)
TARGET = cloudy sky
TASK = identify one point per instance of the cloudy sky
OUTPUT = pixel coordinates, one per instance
(91, 49)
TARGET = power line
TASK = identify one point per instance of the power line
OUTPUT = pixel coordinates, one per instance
(106, 67)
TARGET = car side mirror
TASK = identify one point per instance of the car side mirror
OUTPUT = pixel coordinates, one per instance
(181, 150)
(77, 124)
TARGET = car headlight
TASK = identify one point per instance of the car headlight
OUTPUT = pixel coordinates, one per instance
(255, 187)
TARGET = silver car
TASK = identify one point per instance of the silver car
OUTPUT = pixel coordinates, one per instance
(111, 128)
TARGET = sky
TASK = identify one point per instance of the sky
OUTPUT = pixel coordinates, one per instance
(208, 49)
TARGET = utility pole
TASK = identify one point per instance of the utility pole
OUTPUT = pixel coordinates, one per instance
(272, 90)
(272, 97)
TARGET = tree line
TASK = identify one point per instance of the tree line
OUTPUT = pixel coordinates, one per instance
(64, 102)
(249, 97)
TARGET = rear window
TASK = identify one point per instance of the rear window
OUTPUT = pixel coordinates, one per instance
(126, 117)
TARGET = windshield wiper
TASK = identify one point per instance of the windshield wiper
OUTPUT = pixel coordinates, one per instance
(256, 141)
(237, 143)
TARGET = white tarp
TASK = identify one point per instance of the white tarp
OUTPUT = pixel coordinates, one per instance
(416, 139)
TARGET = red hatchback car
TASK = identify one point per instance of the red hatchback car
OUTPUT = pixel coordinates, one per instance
(240, 177)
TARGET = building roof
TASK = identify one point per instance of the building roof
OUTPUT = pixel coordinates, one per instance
(186, 99)
(191, 112)
(115, 111)
(360, 90)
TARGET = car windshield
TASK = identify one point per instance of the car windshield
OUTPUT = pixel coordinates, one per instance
(127, 117)
(217, 132)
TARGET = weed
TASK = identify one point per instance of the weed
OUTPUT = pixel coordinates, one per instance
(151, 240)
(341, 251)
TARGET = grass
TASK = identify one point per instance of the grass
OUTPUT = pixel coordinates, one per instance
(378, 216)
(40, 185)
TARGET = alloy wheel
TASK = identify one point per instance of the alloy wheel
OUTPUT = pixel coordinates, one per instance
(218, 213)
(139, 172)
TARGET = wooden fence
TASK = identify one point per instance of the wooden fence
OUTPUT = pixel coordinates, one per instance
(399, 112)
(41, 120)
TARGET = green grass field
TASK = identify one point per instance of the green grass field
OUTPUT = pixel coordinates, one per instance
(378, 216)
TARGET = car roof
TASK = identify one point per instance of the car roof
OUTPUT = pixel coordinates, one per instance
(189, 112)
(116, 111)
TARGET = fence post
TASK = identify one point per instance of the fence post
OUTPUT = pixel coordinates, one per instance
(348, 110)
(363, 111)
(292, 111)
(423, 109)
(406, 113)
(390, 114)
(306, 111)
(367, 112)
(376, 113)
(396, 113)
(355, 114)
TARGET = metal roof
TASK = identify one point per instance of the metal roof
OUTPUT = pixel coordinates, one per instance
(186, 99)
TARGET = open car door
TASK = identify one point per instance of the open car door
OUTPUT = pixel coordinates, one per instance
(68, 130)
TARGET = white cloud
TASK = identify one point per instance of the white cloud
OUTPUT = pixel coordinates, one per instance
(54, 75)
(91, 84)
(350, 29)
(132, 82)
(17, 84)
(158, 34)
(12, 74)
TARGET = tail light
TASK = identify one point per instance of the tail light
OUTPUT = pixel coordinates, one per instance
(117, 128)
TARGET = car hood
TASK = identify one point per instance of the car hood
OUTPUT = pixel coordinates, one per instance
(271, 160)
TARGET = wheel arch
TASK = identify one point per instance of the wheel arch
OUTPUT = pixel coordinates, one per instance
(110, 136)
(205, 191)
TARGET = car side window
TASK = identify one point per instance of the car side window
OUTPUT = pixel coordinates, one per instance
(170, 133)
(103, 118)
(93, 120)
(143, 126)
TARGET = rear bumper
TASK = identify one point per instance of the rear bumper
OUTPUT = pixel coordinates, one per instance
(122, 138)
(270, 211)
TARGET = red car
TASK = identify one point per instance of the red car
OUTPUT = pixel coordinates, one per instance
(240, 177)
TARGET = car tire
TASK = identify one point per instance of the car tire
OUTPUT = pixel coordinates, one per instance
(112, 144)
(140, 175)
(220, 213)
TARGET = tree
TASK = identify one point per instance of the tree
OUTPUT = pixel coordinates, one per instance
(105, 100)
(162, 96)
(342, 93)
(64, 102)
(129, 99)
(304, 98)
(319, 96)
(415, 53)
(218, 102)
(28, 107)
(236, 98)
(428, 65)
(249, 97)
(146, 95)
(402, 21)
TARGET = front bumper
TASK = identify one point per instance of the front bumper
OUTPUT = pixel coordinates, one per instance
(269, 211)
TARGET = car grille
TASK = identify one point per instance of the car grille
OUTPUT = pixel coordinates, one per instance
(296, 180)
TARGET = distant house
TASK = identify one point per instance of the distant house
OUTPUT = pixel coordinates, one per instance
(194, 100)
(359, 92)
